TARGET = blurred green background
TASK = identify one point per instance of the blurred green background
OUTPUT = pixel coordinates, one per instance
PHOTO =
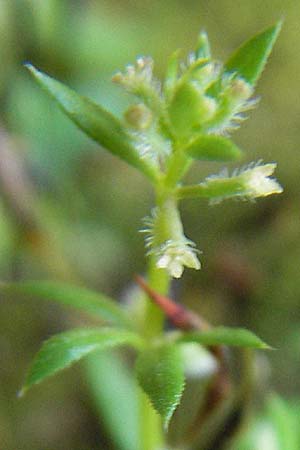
(71, 211)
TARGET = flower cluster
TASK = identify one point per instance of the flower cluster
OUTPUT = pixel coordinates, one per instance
(190, 116)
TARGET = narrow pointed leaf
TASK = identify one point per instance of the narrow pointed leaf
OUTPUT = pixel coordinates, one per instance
(250, 59)
(213, 148)
(237, 337)
(95, 121)
(203, 47)
(160, 373)
(64, 349)
(171, 74)
(80, 298)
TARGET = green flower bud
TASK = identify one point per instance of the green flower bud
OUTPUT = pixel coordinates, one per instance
(190, 108)
(205, 74)
(139, 117)
(203, 48)
(239, 90)
(234, 101)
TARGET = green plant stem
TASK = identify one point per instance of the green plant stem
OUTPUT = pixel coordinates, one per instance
(158, 280)
(167, 224)
(221, 188)
(151, 427)
(178, 165)
(151, 437)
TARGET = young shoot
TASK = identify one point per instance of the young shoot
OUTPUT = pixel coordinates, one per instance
(187, 117)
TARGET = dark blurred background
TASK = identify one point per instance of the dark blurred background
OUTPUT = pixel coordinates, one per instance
(71, 211)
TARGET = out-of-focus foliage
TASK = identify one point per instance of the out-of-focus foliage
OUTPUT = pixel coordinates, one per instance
(276, 429)
(71, 212)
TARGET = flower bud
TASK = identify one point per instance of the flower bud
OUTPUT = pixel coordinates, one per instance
(203, 48)
(239, 90)
(138, 116)
(205, 74)
(190, 108)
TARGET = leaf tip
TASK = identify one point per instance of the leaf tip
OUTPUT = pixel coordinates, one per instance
(166, 422)
(262, 345)
(275, 29)
(278, 25)
(267, 347)
(29, 66)
(22, 392)
(33, 70)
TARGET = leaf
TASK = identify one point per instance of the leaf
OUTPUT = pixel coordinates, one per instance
(171, 74)
(213, 148)
(64, 349)
(237, 337)
(160, 373)
(284, 422)
(185, 109)
(89, 301)
(203, 47)
(250, 59)
(95, 121)
(276, 429)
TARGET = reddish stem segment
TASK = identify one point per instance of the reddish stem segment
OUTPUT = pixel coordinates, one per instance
(186, 320)
(179, 316)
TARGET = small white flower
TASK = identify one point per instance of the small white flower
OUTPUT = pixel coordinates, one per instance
(174, 256)
(258, 182)
(252, 181)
